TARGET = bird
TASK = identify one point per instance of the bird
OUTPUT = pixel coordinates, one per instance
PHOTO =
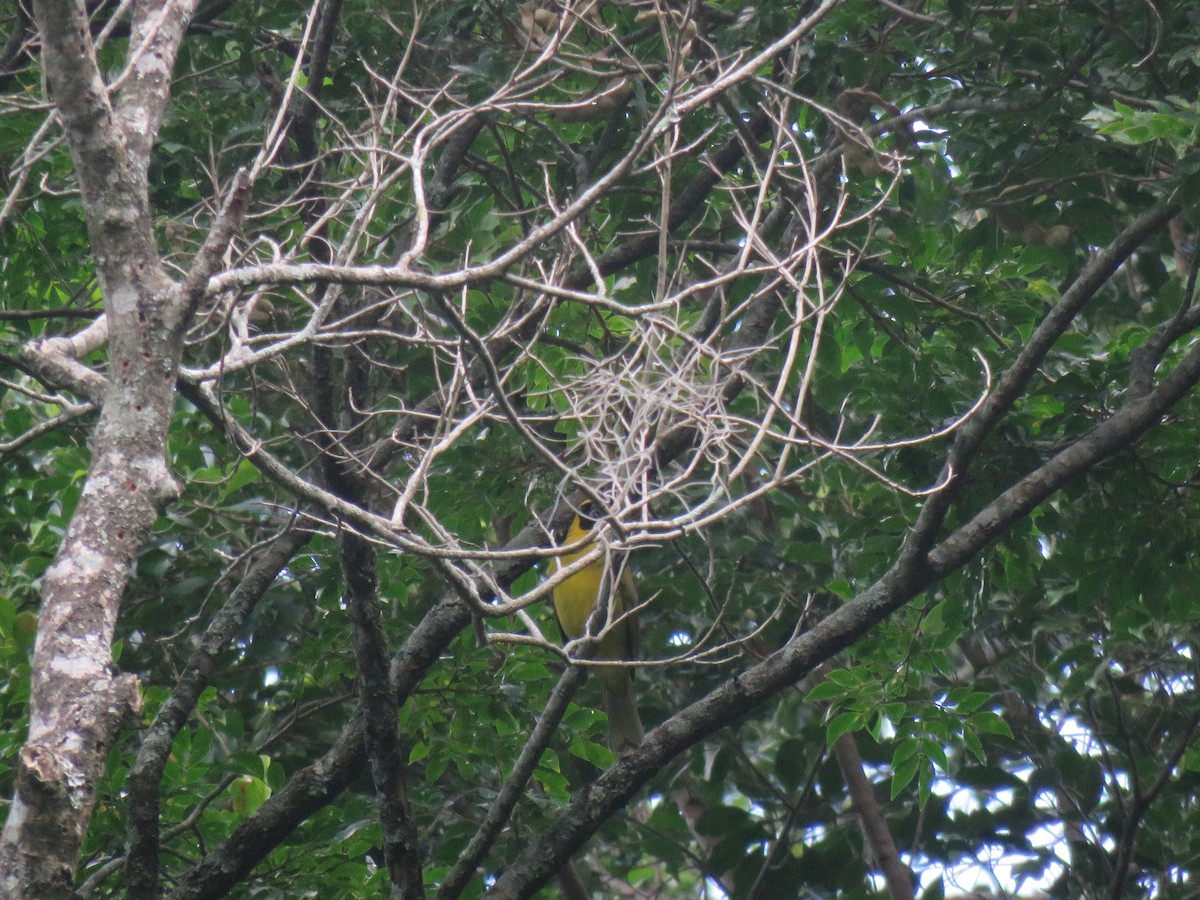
(574, 599)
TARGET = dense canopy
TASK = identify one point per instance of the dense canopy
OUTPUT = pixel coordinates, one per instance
(865, 327)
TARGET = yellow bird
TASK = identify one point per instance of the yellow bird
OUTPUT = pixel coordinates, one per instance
(574, 600)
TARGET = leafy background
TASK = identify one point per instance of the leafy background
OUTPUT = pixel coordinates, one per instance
(1035, 710)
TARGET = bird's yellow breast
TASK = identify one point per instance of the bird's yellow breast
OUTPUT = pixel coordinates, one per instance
(575, 598)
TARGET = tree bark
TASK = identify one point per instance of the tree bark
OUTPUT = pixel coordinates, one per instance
(77, 698)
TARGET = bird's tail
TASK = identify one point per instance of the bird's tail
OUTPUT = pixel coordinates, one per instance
(624, 724)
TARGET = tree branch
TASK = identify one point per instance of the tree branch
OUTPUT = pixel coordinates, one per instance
(145, 778)
(909, 575)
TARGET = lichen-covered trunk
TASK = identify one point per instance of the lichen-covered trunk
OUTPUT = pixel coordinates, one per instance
(77, 698)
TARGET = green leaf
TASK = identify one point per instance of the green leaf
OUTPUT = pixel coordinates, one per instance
(248, 793)
(826, 690)
(988, 722)
(846, 722)
(903, 775)
(599, 756)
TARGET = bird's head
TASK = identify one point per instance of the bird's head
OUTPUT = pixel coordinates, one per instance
(584, 521)
(587, 515)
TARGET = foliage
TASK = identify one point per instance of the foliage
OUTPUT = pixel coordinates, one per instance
(909, 191)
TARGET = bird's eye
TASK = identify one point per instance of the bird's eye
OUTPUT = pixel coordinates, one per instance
(587, 515)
